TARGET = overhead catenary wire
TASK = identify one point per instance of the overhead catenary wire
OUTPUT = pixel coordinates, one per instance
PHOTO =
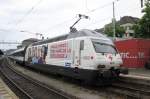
(59, 24)
(90, 11)
(28, 13)
(100, 7)
(101, 20)
(33, 7)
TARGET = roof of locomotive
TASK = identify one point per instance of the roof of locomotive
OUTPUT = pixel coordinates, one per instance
(81, 33)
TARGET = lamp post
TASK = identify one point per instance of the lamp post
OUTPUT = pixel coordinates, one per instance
(114, 20)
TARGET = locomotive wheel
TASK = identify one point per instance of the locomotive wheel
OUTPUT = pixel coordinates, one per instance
(147, 65)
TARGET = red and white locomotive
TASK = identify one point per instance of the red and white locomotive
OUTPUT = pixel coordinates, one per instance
(85, 55)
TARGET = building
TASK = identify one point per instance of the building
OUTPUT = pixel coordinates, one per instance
(129, 32)
(27, 42)
(127, 22)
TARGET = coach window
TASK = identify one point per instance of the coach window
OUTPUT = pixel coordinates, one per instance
(82, 45)
(45, 50)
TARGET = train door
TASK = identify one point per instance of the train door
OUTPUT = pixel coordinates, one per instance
(76, 53)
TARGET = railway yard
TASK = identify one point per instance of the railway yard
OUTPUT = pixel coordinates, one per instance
(47, 52)
(32, 84)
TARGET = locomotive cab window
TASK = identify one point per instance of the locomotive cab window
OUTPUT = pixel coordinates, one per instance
(82, 45)
(104, 48)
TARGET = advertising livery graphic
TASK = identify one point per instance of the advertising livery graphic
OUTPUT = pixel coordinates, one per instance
(60, 50)
(37, 54)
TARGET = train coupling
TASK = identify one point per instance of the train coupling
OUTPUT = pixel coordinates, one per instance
(119, 70)
(113, 72)
(123, 70)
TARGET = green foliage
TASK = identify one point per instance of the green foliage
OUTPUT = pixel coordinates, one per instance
(119, 31)
(142, 29)
(136, 29)
(109, 30)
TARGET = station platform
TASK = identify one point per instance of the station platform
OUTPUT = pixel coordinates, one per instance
(5, 92)
(139, 72)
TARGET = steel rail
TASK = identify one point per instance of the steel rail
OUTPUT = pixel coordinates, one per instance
(9, 81)
(132, 88)
(40, 84)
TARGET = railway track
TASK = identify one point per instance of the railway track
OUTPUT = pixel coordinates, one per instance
(132, 87)
(128, 87)
(26, 88)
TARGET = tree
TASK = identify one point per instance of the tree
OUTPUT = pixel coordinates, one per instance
(109, 30)
(119, 31)
(142, 29)
(136, 29)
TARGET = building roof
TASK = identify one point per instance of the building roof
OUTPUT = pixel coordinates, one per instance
(31, 39)
(128, 19)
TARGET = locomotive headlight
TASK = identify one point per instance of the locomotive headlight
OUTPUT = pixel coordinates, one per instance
(100, 66)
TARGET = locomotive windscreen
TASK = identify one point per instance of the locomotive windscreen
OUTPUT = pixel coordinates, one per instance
(104, 48)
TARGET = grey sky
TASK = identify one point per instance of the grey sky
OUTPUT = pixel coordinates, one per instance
(53, 17)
